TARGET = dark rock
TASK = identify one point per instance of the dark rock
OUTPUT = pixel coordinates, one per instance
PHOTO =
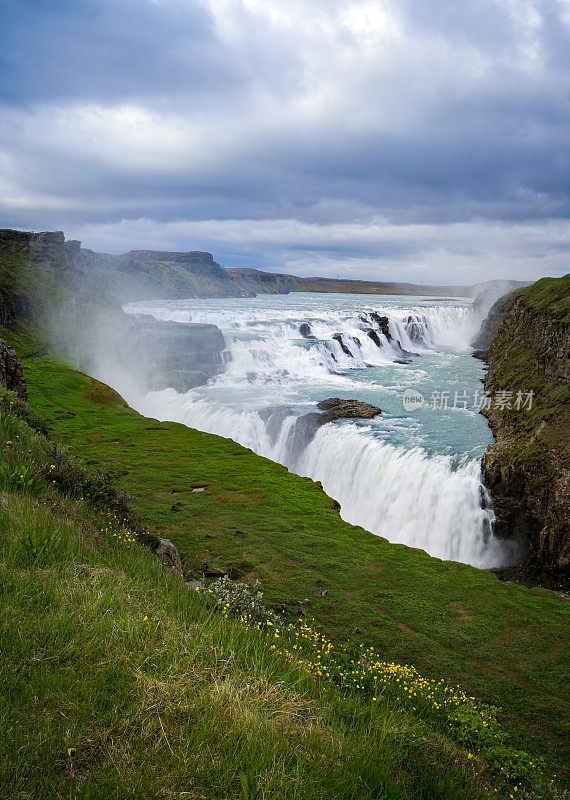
(11, 372)
(213, 572)
(401, 361)
(338, 408)
(383, 323)
(305, 330)
(168, 555)
(338, 338)
(374, 336)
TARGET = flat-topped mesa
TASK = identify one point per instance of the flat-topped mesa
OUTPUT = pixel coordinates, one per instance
(194, 261)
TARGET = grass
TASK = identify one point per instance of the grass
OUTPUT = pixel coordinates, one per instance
(551, 295)
(107, 656)
(503, 643)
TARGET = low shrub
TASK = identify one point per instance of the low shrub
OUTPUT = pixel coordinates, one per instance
(240, 599)
(547, 790)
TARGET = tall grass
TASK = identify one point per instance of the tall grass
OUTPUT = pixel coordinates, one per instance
(106, 652)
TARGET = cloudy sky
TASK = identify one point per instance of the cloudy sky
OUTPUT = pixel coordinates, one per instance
(421, 140)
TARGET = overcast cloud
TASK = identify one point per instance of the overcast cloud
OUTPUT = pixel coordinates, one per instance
(423, 140)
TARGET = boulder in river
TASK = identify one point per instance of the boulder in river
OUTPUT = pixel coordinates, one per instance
(338, 408)
(330, 410)
(305, 331)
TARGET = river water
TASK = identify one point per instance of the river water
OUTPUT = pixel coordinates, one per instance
(412, 474)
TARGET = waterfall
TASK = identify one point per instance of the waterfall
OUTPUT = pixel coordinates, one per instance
(397, 476)
(404, 495)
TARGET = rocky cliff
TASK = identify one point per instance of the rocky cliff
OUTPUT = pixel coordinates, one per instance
(146, 274)
(172, 354)
(73, 297)
(11, 372)
(527, 469)
(491, 324)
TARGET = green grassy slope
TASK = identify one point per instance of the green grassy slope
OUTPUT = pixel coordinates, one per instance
(157, 693)
(503, 643)
(104, 652)
(551, 295)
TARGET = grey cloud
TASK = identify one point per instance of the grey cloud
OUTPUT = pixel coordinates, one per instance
(185, 111)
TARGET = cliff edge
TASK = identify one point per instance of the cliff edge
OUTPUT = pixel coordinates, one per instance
(527, 468)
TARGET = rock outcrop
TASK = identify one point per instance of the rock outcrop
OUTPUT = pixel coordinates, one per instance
(11, 372)
(169, 556)
(493, 321)
(305, 427)
(337, 408)
(173, 354)
(527, 468)
(332, 409)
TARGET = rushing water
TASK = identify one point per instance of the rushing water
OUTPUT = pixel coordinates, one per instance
(411, 476)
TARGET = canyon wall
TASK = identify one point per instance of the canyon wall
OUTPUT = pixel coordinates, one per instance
(527, 469)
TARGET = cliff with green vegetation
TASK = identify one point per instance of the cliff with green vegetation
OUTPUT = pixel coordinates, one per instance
(527, 469)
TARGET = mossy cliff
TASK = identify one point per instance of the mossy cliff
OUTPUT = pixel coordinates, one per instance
(527, 468)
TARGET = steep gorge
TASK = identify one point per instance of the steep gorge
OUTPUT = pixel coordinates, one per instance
(527, 468)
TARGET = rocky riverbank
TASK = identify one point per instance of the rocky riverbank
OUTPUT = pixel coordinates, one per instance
(527, 468)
